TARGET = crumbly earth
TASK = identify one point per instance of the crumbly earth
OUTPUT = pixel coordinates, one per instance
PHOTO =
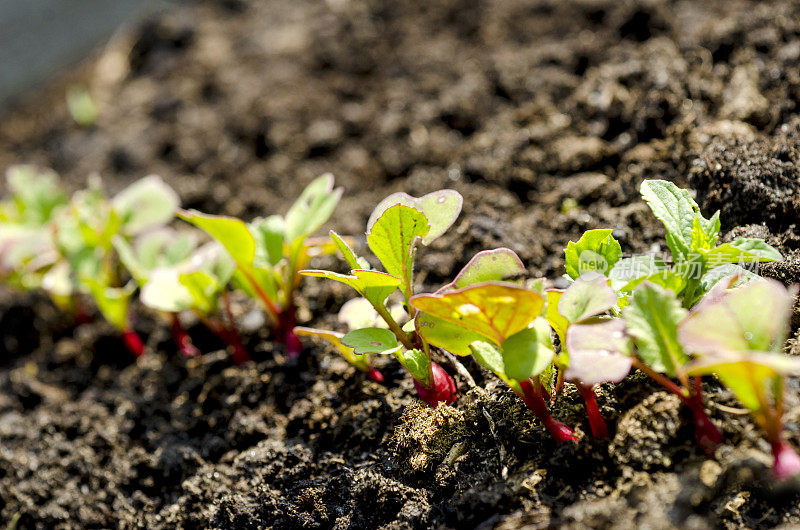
(545, 115)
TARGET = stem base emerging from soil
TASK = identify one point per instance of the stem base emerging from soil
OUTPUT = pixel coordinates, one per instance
(532, 395)
(443, 388)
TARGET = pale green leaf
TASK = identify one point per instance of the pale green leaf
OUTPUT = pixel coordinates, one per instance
(588, 296)
(375, 286)
(489, 265)
(312, 209)
(527, 353)
(392, 237)
(371, 340)
(441, 208)
(599, 352)
(652, 317)
(146, 203)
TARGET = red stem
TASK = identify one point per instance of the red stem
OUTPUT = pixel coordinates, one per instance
(532, 396)
(443, 388)
(133, 342)
(229, 336)
(182, 339)
(596, 421)
(375, 375)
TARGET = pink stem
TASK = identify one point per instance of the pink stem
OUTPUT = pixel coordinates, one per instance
(596, 421)
(375, 375)
(705, 432)
(182, 339)
(133, 342)
(532, 396)
(787, 461)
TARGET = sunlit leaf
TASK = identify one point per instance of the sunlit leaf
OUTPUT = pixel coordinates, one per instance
(112, 301)
(164, 291)
(391, 238)
(312, 209)
(335, 339)
(488, 266)
(743, 250)
(446, 335)
(494, 310)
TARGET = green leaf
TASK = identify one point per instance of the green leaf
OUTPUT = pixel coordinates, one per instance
(743, 250)
(652, 318)
(112, 301)
(360, 362)
(753, 317)
(375, 286)
(146, 203)
(554, 318)
(489, 265)
(588, 296)
(312, 209)
(494, 310)
(441, 208)
(595, 251)
(268, 236)
(704, 233)
(417, 364)
(230, 232)
(677, 209)
(204, 291)
(527, 353)
(488, 356)
(391, 238)
(345, 250)
(371, 340)
(598, 352)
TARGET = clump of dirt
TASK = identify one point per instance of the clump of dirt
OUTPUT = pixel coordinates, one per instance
(545, 116)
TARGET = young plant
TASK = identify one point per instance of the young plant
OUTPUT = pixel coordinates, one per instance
(197, 284)
(698, 262)
(652, 318)
(499, 323)
(27, 249)
(270, 252)
(85, 233)
(393, 230)
(738, 336)
(594, 347)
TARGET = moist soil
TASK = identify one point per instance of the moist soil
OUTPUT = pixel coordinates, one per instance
(546, 115)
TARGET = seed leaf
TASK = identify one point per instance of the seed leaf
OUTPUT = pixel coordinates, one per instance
(598, 352)
(446, 335)
(418, 365)
(494, 310)
(489, 356)
(335, 339)
(441, 208)
(745, 250)
(750, 318)
(652, 318)
(371, 340)
(488, 266)
(588, 296)
(375, 286)
(595, 251)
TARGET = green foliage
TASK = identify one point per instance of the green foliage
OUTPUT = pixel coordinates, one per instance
(652, 318)
(595, 251)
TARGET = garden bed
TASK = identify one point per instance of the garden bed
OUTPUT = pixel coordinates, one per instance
(545, 116)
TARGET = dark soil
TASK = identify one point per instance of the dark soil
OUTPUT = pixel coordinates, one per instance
(519, 105)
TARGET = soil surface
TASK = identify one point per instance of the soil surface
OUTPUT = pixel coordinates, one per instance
(546, 115)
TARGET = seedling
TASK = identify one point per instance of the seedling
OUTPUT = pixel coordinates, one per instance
(269, 252)
(594, 348)
(652, 319)
(393, 230)
(738, 336)
(499, 324)
(698, 262)
(85, 233)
